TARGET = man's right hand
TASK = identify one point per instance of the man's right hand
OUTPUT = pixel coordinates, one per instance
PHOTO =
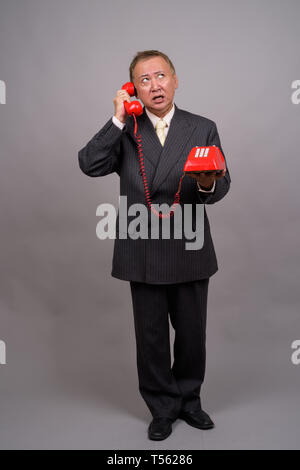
(119, 99)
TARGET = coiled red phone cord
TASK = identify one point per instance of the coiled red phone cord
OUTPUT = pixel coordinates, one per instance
(145, 182)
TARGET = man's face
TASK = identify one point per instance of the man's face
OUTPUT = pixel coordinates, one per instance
(155, 85)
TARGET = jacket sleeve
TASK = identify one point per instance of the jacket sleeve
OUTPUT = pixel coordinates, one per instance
(102, 154)
(222, 185)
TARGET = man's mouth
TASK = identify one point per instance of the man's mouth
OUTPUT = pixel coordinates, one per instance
(158, 99)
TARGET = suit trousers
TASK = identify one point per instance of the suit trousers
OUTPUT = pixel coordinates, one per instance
(165, 389)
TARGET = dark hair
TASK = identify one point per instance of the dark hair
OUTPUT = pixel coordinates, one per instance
(147, 55)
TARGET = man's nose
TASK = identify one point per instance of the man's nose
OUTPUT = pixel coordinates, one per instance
(154, 84)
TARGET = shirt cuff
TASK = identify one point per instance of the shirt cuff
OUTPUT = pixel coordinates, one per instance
(205, 190)
(118, 123)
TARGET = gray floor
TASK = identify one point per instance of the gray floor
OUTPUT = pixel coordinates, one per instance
(49, 401)
(66, 422)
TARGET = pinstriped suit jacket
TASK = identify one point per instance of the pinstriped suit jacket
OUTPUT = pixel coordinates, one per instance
(159, 261)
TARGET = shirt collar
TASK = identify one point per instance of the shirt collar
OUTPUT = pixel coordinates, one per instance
(167, 118)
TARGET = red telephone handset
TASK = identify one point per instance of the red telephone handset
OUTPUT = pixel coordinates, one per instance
(134, 107)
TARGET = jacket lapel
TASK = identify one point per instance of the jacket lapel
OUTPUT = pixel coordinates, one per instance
(159, 160)
(150, 143)
(179, 134)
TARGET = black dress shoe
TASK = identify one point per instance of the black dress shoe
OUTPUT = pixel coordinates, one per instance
(160, 428)
(197, 418)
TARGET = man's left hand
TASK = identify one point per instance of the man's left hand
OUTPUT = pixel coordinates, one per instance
(206, 180)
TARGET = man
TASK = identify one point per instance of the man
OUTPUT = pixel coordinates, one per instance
(165, 278)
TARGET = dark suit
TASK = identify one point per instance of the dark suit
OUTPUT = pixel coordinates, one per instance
(181, 274)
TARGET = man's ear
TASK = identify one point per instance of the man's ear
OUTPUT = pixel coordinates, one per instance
(176, 81)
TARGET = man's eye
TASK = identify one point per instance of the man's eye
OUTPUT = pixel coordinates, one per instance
(144, 79)
(161, 75)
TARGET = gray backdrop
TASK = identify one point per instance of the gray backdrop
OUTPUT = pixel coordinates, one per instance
(70, 380)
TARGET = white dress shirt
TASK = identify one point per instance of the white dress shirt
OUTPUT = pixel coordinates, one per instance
(167, 118)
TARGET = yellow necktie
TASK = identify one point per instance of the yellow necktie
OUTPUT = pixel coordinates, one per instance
(160, 130)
